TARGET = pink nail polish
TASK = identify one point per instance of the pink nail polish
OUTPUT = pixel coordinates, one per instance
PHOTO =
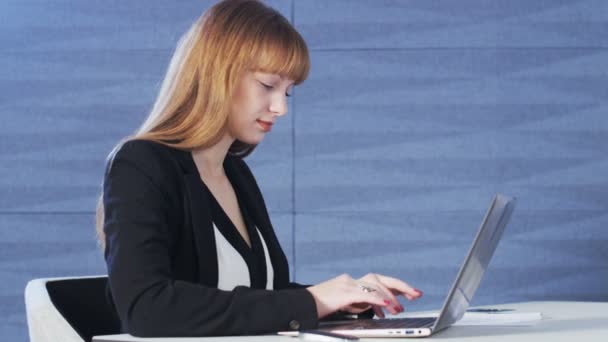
(387, 302)
(396, 308)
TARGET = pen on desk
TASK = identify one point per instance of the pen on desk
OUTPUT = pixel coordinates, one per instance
(324, 336)
(489, 310)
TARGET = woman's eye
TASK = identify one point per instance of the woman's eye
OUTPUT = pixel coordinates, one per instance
(266, 85)
(269, 87)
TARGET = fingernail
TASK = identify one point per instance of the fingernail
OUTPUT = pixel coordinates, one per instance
(396, 308)
(387, 302)
(421, 293)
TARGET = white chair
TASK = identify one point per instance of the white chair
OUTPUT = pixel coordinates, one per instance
(72, 309)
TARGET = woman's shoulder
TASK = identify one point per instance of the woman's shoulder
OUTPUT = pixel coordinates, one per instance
(147, 155)
(146, 151)
(139, 149)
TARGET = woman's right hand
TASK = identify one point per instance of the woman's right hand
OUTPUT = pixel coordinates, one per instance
(344, 291)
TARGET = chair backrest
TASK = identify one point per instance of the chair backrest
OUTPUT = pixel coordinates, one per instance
(69, 309)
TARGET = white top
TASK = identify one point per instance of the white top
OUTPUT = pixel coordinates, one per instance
(231, 267)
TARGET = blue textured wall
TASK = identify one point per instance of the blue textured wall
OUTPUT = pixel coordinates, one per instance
(414, 114)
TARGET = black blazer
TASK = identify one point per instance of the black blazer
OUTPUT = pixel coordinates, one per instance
(161, 254)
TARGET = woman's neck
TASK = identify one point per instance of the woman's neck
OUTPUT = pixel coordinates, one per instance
(210, 161)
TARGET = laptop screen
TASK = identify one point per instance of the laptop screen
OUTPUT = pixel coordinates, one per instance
(476, 261)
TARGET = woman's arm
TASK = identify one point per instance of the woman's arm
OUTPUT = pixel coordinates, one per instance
(148, 300)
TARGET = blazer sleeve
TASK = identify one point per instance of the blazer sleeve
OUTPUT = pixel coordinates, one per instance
(148, 300)
(297, 286)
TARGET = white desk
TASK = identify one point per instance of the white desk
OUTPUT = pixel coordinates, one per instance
(562, 321)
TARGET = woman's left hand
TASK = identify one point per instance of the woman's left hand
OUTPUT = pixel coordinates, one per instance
(389, 288)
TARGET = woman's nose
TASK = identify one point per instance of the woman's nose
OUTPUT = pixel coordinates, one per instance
(279, 105)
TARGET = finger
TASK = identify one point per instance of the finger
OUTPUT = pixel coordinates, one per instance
(399, 293)
(373, 298)
(391, 303)
(363, 306)
(400, 286)
(377, 287)
(357, 308)
(394, 306)
(378, 311)
(394, 302)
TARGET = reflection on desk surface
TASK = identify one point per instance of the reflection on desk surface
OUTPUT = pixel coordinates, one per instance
(561, 321)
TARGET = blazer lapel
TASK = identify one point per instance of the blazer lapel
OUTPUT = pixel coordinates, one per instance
(253, 200)
(196, 202)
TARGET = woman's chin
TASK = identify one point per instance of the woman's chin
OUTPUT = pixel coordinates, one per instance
(253, 140)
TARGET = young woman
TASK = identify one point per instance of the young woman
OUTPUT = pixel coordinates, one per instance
(189, 246)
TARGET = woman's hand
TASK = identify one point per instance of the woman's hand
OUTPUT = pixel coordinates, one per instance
(390, 288)
(348, 294)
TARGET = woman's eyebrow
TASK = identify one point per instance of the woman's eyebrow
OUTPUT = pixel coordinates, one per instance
(276, 76)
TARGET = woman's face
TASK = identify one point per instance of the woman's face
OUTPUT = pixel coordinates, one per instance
(259, 100)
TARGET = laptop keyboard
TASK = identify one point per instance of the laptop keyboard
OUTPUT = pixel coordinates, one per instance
(386, 323)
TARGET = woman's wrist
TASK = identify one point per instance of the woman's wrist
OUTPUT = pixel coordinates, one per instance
(322, 309)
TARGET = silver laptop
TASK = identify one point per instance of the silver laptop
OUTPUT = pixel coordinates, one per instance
(462, 291)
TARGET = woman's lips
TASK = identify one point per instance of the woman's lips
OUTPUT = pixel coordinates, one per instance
(266, 126)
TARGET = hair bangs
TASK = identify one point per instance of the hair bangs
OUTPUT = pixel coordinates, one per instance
(282, 51)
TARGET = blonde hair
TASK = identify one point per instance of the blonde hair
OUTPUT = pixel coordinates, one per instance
(229, 39)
